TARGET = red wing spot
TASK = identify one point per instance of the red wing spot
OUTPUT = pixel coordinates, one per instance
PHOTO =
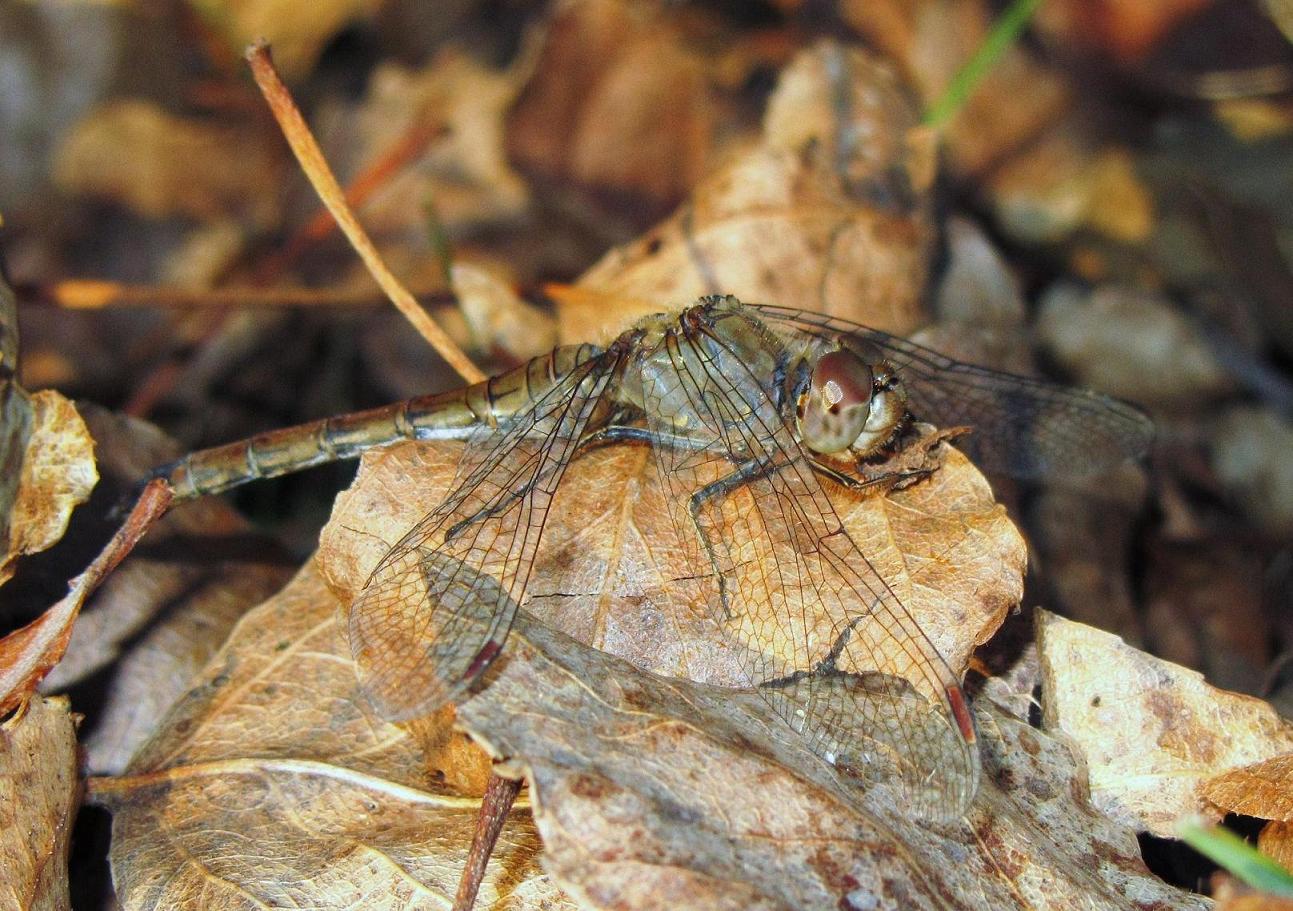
(482, 660)
(961, 712)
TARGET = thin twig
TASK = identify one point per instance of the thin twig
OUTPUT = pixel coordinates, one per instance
(500, 795)
(28, 654)
(93, 294)
(311, 159)
(403, 152)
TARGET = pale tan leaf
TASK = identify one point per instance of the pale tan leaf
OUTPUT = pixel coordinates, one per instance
(1263, 789)
(38, 801)
(298, 29)
(158, 164)
(273, 783)
(612, 570)
(464, 174)
(57, 475)
(1233, 895)
(1276, 842)
(497, 316)
(824, 214)
(930, 40)
(664, 793)
(1151, 731)
(617, 102)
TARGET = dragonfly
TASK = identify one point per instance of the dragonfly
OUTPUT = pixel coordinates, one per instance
(753, 413)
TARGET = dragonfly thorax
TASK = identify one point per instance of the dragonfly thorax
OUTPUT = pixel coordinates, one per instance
(849, 405)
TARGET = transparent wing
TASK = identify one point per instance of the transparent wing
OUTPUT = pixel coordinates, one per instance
(1024, 427)
(437, 609)
(820, 632)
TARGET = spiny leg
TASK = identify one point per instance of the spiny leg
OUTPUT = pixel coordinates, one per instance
(858, 484)
(741, 475)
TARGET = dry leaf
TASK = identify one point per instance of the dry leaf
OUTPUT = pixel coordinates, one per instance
(1151, 731)
(1250, 448)
(658, 793)
(1232, 895)
(272, 783)
(163, 614)
(498, 317)
(1276, 842)
(56, 476)
(46, 455)
(617, 102)
(1125, 30)
(160, 165)
(1263, 789)
(464, 177)
(1083, 537)
(1204, 608)
(298, 29)
(38, 802)
(822, 215)
(931, 40)
(613, 572)
(1061, 184)
(1130, 343)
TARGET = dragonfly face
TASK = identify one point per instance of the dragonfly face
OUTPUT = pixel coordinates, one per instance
(850, 405)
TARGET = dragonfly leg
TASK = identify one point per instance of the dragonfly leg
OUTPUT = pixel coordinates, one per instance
(887, 479)
(741, 475)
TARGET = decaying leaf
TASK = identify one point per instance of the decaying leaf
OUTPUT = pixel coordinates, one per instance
(159, 165)
(613, 571)
(654, 793)
(617, 102)
(162, 615)
(1124, 30)
(273, 783)
(1151, 731)
(46, 455)
(465, 175)
(1232, 895)
(298, 29)
(56, 476)
(497, 316)
(1276, 842)
(827, 213)
(1263, 789)
(931, 40)
(38, 800)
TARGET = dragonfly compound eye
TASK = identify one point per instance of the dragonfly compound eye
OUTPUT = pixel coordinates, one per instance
(835, 409)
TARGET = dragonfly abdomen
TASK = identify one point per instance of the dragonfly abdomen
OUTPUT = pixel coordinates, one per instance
(446, 415)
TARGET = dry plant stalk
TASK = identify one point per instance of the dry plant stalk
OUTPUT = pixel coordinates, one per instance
(310, 156)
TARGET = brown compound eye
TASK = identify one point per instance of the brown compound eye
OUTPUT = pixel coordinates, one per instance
(834, 409)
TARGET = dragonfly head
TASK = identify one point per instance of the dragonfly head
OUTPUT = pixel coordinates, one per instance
(850, 404)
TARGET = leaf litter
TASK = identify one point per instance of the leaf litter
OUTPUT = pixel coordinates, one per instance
(788, 185)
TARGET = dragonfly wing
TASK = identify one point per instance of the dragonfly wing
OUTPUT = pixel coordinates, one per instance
(821, 634)
(438, 607)
(1022, 426)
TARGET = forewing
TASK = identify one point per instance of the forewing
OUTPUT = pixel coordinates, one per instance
(821, 634)
(437, 609)
(1021, 426)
